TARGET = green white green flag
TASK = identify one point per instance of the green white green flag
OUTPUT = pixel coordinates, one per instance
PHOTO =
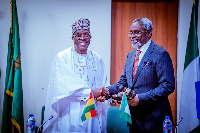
(188, 110)
(124, 109)
(12, 116)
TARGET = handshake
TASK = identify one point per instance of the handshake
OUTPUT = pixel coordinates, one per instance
(101, 94)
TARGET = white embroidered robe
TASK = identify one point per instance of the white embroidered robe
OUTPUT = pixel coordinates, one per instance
(71, 80)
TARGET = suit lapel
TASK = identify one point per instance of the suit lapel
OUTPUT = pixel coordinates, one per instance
(145, 59)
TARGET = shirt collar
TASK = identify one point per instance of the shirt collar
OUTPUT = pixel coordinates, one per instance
(144, 48)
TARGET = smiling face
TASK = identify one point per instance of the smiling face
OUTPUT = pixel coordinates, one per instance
(81, 40)
(138, 35)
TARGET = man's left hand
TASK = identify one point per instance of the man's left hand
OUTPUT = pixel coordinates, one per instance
(134, 102)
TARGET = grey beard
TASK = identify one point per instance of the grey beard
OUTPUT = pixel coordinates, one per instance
(138, 44)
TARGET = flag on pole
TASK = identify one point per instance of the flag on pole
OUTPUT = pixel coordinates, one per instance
(90, 109)
(124, 110)
(188, 110)
(12, 116)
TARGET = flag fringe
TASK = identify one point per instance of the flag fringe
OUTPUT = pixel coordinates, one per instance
(15, 124)
(9, 93)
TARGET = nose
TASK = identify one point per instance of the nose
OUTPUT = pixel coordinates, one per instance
(82, 37)
(132, 36)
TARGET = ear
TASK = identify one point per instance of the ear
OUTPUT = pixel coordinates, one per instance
(73, 38)
(149, 33)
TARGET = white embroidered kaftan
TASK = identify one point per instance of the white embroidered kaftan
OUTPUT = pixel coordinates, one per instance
(71, 80)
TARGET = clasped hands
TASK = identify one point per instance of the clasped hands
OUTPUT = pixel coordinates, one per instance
(100, 94)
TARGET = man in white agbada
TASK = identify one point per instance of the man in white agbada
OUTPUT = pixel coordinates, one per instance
(75, 73)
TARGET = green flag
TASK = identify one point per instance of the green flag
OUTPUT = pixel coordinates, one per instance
(124, 109)
(12, 117)
(188, 111)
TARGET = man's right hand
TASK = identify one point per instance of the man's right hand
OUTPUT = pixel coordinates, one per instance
(101, 98)
(105, 92)
(96, 92)
(101, 94)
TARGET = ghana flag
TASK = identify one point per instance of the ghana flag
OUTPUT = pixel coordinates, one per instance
(89, 110)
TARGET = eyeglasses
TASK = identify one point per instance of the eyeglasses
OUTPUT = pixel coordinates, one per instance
(85, 35)
(137, 32)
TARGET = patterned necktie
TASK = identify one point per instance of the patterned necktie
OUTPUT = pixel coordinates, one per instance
(135, 66)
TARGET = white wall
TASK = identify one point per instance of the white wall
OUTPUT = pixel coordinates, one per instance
(185, 10)
(45, 30)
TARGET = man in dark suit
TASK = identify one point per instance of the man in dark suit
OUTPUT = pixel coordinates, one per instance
(151, 75)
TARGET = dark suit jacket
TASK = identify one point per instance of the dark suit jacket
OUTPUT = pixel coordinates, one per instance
(154, 82)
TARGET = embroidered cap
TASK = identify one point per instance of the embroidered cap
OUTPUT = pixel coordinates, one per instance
(82, 23)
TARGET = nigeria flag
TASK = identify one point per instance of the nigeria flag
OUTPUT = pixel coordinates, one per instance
(124, 109)
(188, 107)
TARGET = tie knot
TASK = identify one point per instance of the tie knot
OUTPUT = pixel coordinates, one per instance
(138, 53)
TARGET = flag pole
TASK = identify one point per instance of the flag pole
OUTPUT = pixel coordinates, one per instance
(118, 116)
(97, 113)
(117, 122)
(99, 122)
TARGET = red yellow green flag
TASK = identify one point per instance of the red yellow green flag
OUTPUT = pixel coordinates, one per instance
(89, 110)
